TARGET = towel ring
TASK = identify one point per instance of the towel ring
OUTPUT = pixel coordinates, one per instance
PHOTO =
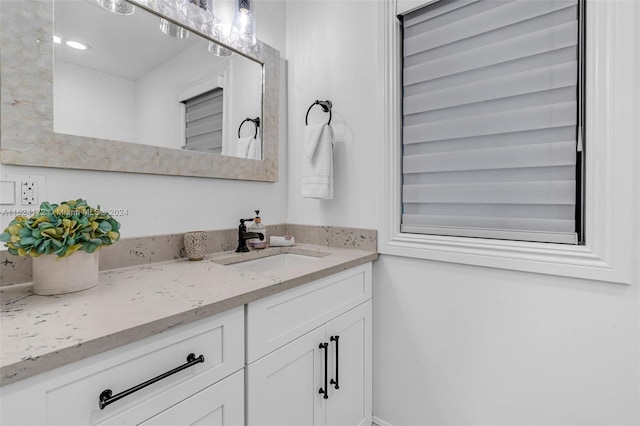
(326, 107)
(255, 121)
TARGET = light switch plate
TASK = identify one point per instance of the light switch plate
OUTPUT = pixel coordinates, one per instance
(7, 192)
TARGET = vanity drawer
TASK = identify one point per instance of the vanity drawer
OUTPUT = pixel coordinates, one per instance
(219, 404)
(277, 320)
(74, 398)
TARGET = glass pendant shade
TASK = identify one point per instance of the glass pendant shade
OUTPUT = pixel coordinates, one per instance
(197, 11)
(218, 50)
(120, 7)
(243, 31)
(173, 30)
(221, 31)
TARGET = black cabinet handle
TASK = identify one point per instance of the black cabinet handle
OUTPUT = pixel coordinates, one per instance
(107, 397)
(325, 390)
(336, 382)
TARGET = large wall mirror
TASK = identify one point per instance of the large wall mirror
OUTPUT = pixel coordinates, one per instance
(152, 93)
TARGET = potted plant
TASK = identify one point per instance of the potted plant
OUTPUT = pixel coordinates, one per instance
(63, 240)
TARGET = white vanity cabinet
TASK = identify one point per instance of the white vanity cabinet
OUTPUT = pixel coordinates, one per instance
(297, 338)
(70, 395)
(262, 363)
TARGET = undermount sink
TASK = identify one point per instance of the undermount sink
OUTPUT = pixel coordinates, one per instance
(277, 261)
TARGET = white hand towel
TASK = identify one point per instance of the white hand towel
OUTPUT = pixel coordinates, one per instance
(317, 162)
(255, 150)
(250, 148)
(243, 145)
(284, 241)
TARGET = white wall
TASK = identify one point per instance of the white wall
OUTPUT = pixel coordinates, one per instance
(167, 204)
(458, 344)
(331, 52)
(270, 23)
(454, 344)
(246, 80)
(93, 103)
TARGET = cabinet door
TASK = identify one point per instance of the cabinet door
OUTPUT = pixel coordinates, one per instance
(221, 404)
(350, 367)
(283, 387)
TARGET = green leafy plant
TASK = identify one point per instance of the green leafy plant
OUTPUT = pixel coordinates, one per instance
(61, 229)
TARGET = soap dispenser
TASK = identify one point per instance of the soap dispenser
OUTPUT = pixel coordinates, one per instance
(259, 228)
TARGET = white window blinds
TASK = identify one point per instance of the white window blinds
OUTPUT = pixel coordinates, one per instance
(490, 119)
(204, 122)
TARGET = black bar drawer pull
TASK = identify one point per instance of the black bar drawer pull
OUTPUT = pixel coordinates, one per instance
(107, 397)
(336, 382)
(325, 390)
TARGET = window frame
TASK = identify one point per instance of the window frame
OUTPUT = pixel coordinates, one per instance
(609, 195)
(186, 121)
(219, 77)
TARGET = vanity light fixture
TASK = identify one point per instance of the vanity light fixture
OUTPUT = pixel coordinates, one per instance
(197, 11)
(243, 31)
(119, 7)
(233, 23)
(173, 30)
(219, 50)
(221, 28)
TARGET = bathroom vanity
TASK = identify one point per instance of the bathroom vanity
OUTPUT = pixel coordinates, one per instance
(221, 341)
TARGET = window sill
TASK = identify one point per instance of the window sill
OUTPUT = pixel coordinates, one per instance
(553, 259)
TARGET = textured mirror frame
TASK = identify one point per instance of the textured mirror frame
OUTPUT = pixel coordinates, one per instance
(26, 111)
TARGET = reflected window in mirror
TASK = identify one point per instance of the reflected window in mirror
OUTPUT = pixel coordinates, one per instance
(203, 117)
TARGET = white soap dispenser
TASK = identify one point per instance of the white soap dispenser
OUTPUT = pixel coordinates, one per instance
(258, 228)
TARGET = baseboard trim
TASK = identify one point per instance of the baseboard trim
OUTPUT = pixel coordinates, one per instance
(376, 421)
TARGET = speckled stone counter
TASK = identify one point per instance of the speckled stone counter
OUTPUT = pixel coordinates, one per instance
(135, 251)
(39, 333)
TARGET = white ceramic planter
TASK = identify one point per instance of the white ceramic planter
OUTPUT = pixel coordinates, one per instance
(54, 275)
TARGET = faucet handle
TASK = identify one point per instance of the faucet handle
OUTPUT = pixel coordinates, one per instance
(242, 226)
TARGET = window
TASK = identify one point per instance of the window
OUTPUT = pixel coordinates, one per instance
(612, 191)
(204, 122)
(492, 142)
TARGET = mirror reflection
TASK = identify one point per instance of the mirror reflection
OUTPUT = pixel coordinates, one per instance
(138, 78)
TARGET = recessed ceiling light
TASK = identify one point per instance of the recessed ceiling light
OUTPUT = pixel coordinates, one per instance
(56, 39)
(77, 45)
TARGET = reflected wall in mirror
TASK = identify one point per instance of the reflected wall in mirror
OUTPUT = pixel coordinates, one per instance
(137, 82)
(27, 135)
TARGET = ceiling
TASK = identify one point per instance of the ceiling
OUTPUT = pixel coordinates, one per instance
(126, 46)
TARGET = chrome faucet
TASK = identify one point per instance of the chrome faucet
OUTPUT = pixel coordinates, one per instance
(243, 236)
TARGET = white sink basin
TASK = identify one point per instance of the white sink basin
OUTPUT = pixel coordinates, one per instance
(277, 261)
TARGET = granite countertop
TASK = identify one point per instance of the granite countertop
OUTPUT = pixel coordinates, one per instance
(40, 333)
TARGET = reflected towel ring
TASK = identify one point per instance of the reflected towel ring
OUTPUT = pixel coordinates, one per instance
(326, 107)
(255, 121)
